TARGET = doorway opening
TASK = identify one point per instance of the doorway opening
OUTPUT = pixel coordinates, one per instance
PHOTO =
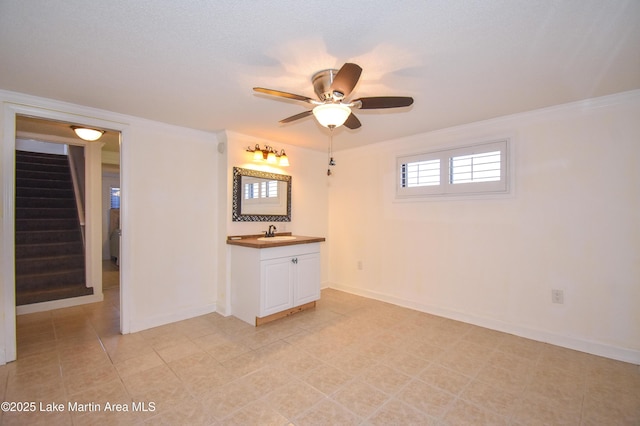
(46, 116)
(101, 165)
(50, 256)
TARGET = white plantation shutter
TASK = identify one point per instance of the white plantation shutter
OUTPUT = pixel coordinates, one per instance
(114, 198)
(261, 189)
(421, 173)
(483, 167)
(468, 170)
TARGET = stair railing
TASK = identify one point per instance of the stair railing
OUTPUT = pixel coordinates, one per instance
(76, 164)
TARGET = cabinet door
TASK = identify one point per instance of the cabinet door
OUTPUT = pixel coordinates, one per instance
(276, 286)
(307, 279)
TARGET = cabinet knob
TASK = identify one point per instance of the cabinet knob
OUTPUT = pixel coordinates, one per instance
(294, 260)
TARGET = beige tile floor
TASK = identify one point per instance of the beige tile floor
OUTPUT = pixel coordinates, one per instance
(350, 361)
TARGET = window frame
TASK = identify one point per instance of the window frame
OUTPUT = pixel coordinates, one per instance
(447, 189)
(113, 196)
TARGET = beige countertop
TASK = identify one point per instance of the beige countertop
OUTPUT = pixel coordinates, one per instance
(253, 241)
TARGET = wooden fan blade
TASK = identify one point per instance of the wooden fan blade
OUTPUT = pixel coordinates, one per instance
(297, 116)
(378, 102)
(346, 79)
(352, 122)
(282, 94)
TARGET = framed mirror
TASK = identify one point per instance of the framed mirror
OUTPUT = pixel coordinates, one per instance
(260, 196)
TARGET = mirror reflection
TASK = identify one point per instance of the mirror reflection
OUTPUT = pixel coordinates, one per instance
(261, 196)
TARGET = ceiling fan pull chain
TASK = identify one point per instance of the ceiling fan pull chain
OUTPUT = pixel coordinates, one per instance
(331, 162)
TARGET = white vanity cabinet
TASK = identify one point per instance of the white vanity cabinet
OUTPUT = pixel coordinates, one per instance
(288, 282)
(269, 281)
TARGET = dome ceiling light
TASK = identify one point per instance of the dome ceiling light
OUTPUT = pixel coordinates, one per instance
(88, 134)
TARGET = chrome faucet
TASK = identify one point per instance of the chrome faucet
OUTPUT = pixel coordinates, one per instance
(270, 232)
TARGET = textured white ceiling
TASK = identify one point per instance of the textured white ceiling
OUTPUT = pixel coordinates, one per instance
(194, 62)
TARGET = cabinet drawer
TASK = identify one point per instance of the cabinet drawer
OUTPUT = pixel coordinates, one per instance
(289, 251)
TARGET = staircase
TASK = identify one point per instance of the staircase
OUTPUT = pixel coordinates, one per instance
(50, 261)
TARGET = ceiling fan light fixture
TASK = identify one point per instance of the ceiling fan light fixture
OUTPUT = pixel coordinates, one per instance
(87, 134)
(332, 87)
(331, 115)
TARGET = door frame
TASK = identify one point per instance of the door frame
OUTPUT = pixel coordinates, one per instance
(94, 222)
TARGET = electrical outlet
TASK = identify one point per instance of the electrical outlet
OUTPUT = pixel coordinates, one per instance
(557, 296)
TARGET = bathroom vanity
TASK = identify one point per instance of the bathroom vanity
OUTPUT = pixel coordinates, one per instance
(273, 277)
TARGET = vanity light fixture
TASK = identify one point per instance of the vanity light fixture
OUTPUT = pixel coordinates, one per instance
(88, 134)
(269, 155)
(284, 160)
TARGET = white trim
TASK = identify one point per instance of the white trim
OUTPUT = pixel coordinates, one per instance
(58, 304)
(7, 232)
(126, 258)
(582, 345)
(41, 146)
(93, 211)
(50, 139)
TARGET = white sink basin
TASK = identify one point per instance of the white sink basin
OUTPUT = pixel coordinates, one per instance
(278, 238)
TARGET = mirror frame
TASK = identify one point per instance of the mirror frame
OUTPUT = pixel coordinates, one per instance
(236, 207)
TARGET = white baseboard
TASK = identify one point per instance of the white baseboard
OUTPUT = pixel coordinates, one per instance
(582, 345)
(58, 304)
(159, 320)
(222, 311)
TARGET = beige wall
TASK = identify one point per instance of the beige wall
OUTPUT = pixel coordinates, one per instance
(572, 224)
(169, 219)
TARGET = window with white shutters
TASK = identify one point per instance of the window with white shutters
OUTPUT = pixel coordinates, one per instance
(466, 170)
(115, 198)
(421, 173)
(261, 189)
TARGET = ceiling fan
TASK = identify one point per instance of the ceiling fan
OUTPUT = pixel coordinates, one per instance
(333, 87)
